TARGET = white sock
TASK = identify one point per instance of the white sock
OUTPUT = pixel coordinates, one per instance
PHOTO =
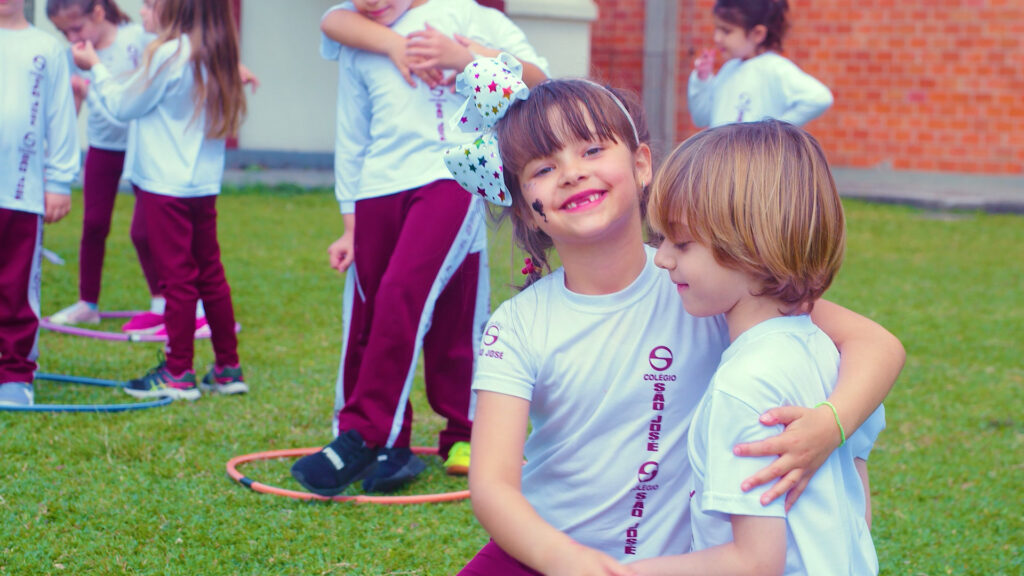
(157, 305)
(200, 311)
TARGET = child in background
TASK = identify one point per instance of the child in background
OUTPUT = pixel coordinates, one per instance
(756, 82)
(39, 156)
(414, 260)
(119, 44)
(185, 99)
(592, 373)
(754, 231)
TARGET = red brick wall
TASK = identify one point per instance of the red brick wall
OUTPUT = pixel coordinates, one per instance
(935, 85)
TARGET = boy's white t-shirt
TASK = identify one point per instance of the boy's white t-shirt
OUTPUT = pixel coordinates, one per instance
(766, 86)
(39, 150)
(169, 153)
(121, 58)
(782, 361)
(391, 137)
(612, 382)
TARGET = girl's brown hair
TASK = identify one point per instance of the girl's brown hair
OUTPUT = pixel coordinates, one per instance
(772, 14)
(556, 113)
(112, 12)
(761, 196)
(210, 26)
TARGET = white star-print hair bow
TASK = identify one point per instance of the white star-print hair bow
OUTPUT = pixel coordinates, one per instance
(490, 85)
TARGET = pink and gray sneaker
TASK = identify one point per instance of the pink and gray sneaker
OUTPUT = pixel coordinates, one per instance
(224, 380)
(144, 323)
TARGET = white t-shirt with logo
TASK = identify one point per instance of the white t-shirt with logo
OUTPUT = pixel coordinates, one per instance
(121, 58)
(782, 361)
(612, 381)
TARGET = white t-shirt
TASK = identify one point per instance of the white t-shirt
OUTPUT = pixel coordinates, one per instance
(121, 58)
(391, 137)
(169, 152)
(766, 86)
(782, 361)
(612, 382)
(39, 149)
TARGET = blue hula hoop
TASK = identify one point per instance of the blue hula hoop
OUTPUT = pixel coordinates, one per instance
(124, 407)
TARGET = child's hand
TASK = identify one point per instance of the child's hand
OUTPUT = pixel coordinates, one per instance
(248, 78)
(584, 561)
(808, 440)
(705, 64)
(342, 252)
(85, 55)
(430, 48)
(57, 206)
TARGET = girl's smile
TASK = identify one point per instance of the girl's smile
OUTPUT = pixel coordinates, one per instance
(583, 201)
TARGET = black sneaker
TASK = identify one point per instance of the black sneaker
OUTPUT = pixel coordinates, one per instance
(331, 470)
(395, 468)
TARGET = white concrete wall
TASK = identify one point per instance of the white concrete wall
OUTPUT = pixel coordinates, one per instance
(294, 108)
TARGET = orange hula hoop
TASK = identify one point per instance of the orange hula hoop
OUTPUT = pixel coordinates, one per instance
(255, 486)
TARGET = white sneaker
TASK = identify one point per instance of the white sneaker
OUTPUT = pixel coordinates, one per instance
(77, 313)
(16, 394)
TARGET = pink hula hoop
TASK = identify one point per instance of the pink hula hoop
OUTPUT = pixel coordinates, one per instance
(232, 469)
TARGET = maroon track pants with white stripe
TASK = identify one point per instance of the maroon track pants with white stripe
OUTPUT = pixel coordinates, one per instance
(21, 241)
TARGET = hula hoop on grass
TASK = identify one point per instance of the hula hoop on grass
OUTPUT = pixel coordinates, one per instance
(114, 336)
(125, 407)
(232, 468)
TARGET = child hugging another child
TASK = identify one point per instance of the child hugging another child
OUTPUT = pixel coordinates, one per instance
(593, 372)
(754, 231)
(413, 244)
(756, 82)
(185, 99)
(39, 158)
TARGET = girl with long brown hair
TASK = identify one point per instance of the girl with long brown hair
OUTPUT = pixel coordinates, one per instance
(186, 98)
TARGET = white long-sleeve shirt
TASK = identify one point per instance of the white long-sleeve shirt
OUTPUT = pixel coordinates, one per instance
(766, 86)
(39, 150)
(121, 58)
(169, 152)
(391, 137)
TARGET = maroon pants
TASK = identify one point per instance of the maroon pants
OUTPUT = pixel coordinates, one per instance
(102, 174)
(406, 245)
(183, 242)
(491, 559)
(21, 243)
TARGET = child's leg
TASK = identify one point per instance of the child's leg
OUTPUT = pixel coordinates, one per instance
(140, 239)
(178, 270)
(405, 284)
(211, 282)
(102, 174)
(449, 349)
(21, 241)
(491, 559)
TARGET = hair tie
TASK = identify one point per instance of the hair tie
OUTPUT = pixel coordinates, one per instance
(529, 268)
(490, 86)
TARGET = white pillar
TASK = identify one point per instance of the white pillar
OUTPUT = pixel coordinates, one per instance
(559, 30)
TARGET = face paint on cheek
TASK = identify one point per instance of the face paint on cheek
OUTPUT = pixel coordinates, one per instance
(539, 209)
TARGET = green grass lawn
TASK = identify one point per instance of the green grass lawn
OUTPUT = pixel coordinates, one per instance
(146, 492)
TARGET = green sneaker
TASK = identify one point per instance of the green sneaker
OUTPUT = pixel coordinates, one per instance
(457, 463)
(225, 380)
(160, 383)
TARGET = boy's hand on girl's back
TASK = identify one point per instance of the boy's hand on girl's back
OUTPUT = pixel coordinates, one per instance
(84, 55)
(705, 64)
(57, 206)
(810, 437)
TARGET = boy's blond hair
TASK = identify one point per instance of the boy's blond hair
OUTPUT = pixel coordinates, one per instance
(762, 197)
